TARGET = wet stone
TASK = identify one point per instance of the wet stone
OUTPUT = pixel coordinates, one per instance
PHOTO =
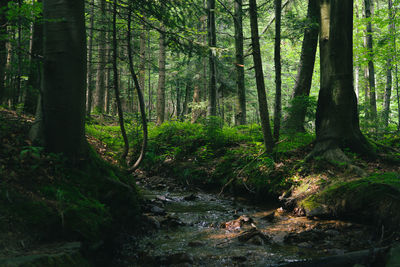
(194, 244)
(158, 211)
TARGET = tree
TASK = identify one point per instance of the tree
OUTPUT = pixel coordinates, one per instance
(389, 76)
(337, 122)
(3, 48)
(89, 79)
(262, 98)
(212, 43)
(370, 72)
(64, 77)
(294, 122)
(161, 79)
(278, 70)
(101, 70)
(240, 117)
(35, 68)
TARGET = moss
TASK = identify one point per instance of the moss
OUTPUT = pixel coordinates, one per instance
(374, 198)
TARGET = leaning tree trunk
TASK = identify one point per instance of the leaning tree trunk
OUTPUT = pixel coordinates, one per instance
(294, 122)
(262, 97)
(161, 80)
(240, 116)
(139, 92)
(116, 82)
(212, 43)
(64, 77)
(337, 122)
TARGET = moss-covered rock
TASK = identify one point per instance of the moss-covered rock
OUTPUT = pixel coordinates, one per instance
(373, 199)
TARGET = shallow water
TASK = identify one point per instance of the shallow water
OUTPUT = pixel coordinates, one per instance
(201, 241)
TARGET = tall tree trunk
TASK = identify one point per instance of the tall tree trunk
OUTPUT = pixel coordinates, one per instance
(64, 73)
(337, 123)
(35, 68)
(278, 70)
(389, 78)
(142, 105)
(161, 79)
(116, 82)
(212, 43)
(369, 5)
(142, 64)
(101, 70)
(294, 122)
(18, 86)
(240, 116)
(262, 97)
(89, 78)
(3, 48)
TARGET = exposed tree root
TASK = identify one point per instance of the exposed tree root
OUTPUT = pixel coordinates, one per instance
(331, 153)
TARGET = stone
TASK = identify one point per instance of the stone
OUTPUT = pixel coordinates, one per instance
(393, 257)
(191, 197)
(158, 211)
(195, 244)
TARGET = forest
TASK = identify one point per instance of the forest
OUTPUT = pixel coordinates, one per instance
(199, 133)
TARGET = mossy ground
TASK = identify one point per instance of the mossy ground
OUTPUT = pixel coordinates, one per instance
(43, 198)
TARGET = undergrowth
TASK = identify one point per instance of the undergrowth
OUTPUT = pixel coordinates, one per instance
(211, 154)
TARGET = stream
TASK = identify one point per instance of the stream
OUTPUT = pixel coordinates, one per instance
(194, 228)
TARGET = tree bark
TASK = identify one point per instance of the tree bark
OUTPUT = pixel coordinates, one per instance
(262, 98)
(142, 64)
(116, 82)
(139, 92)
(294, 122)
(337, 122)
(212, 43)
(278, 71)
(389, 76)
(35, 68)
(89, 79)
(161, 80)
(369, 5)
(3, 48)
(240, 116)
(99, 102)
(64, 77)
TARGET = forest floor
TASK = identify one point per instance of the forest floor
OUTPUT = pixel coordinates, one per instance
(229, 228)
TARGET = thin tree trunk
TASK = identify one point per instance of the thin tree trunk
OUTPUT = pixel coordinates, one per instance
(3, 48)
(196, 110)
(64, 78)
(262, 98)
(142, 64)
(99, 102)
(140, 97)
(278, 71)
(212, 43)
(294, 122)
(89, 78)
(161, 79)
(115, 79)
(371, 69)
(389, 78)
(18, 89)
(240, 116)
(35, 68)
